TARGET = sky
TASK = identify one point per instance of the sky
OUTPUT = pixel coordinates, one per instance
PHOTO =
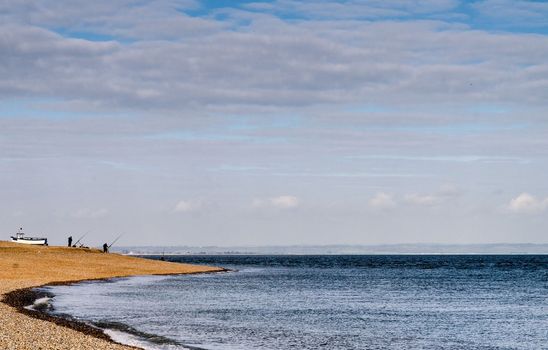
(275, 122)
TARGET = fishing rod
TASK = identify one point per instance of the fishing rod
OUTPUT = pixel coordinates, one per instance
(117, 238)
(82, 237)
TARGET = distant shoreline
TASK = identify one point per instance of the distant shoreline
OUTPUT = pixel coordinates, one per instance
(342, 249)
(317, 254)
(380, 249)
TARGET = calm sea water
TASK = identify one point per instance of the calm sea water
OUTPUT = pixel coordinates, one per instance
(326, 302)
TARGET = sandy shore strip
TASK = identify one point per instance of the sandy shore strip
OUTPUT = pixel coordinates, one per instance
(23, 267)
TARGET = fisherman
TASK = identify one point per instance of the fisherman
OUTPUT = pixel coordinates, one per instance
(105, 248)
(70, 241)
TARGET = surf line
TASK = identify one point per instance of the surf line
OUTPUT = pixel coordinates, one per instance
(34, 302)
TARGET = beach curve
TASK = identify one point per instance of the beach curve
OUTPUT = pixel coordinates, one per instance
(25, 267)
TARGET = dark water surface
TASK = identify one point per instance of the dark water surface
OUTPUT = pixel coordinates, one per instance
(326, 302)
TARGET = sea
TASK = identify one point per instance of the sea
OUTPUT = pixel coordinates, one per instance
(323, 302)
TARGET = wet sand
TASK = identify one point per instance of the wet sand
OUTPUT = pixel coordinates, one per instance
(23, 267)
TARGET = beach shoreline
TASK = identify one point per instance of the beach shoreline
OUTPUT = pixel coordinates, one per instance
(23, 269)
(20, 299)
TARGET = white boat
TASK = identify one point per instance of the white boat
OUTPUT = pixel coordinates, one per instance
(20, 238)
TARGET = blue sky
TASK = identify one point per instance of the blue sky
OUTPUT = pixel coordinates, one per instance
(528, 16)
(276, 122)
(493, 15)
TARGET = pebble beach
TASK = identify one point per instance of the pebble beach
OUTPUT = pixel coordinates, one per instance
(23, 267)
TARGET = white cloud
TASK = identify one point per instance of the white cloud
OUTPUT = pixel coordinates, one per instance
(445, 193)
(526, 203)
(285, 201)
(382, 201)
(270, 62)
(86, 213)
(422, 199)
(282, 202)
(186, 206)
(388, 201)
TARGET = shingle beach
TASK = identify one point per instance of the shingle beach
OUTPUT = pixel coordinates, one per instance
(24, 267)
